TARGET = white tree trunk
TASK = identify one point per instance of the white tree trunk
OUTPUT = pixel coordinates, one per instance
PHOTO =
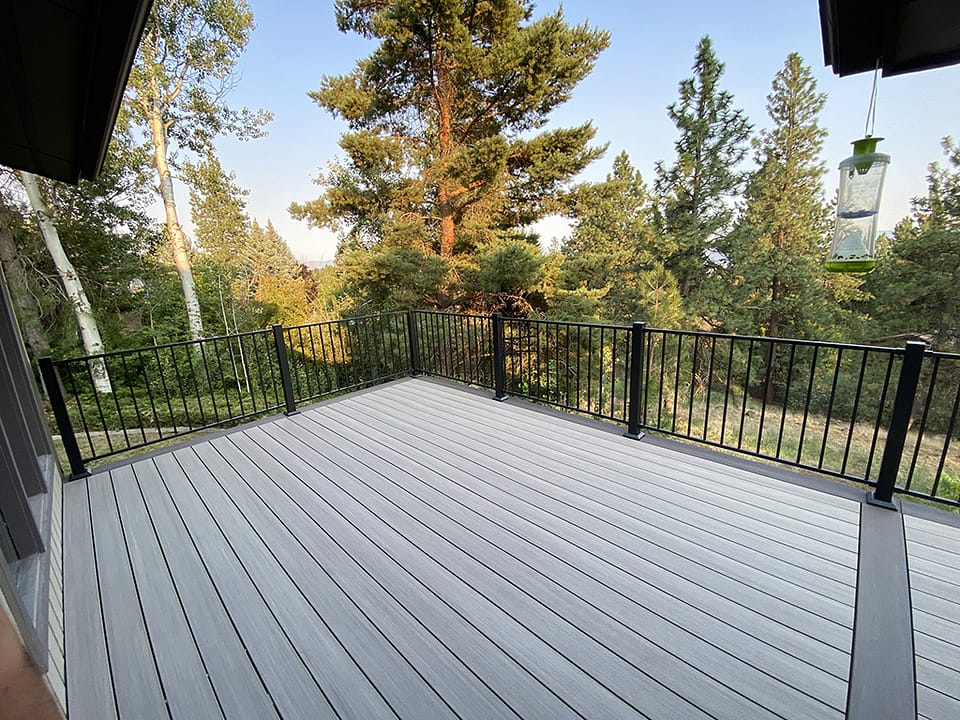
(89, 332)
(178, 240)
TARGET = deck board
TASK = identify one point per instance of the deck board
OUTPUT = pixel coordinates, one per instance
(171, 638)
(643, 576)
(358, 645)
(420, 551)
(566, 591)
(90, 680)
(549, 433)
(239, 688)
(137, 683)
(629, 486)
(934, 564)
(292, 689)
(719, 475)
(516, 484)
(340, 579)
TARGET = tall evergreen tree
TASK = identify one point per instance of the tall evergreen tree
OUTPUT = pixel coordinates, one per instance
(218, 209)
(697, 190)
(440, 155)
(221, 228)
(266, 254)
(915, 282)
(772, 281)
(615, 249)
(272, 276)
(176, 92)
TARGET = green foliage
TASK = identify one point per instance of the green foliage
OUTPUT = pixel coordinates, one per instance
(184, 69)
(915, 281)
(392, 278)
(616, 252)
(695, 192)
(106, 233)
(772, 281)
(218, 208)
(509, 275)
(440, 155)
(265, 254)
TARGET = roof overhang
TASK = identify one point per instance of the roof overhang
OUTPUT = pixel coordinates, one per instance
(63, 69)
(901, 36)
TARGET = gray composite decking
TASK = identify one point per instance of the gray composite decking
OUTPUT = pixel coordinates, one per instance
(934, 550)
(419, 551)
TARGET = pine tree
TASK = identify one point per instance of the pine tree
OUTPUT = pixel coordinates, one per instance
(772, 281)
(696, 191)
(265, 254)
(440, 155)
(272, 276)
(915, 282)
(218, 209)
(615, 249)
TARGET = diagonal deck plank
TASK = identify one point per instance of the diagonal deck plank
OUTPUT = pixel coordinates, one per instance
(713, 568)
(765, 656)
(136, 679)
(627, 480)
(171, 638)
(239, 687)
(418, 551)
(399, 627)
(590, 618)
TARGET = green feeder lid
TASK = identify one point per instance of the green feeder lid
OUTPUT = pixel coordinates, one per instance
(865, 145)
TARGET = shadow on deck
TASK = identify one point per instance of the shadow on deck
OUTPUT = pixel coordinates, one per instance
(418, 551)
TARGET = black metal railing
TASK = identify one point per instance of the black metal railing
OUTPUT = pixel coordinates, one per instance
(828, 407)
(343, 355)
(581, 367)
(167, 391)
(794, 401)
(885, 417)
(456, 347)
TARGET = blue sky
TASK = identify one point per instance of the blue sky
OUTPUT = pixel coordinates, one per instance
(296, 42)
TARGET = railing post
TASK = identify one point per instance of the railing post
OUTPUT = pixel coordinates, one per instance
(281, 345)
(51, 380)
(636, 381)
(899, 424)
(413, 337)
(499, 359)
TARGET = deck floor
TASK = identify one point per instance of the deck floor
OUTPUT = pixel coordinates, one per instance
(418, 551)
(934, 551)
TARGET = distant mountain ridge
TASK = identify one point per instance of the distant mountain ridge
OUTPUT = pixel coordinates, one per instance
(317, 263)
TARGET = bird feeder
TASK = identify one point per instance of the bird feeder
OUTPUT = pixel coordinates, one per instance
(854, 247)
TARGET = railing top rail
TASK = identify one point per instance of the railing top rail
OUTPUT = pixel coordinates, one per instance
(540, 321)
(942, 355)
(783, 340)
(159, 346)
(444, 313)
(392, 313)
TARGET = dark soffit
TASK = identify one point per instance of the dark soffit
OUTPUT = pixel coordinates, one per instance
(63, 69)
(903, 36)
